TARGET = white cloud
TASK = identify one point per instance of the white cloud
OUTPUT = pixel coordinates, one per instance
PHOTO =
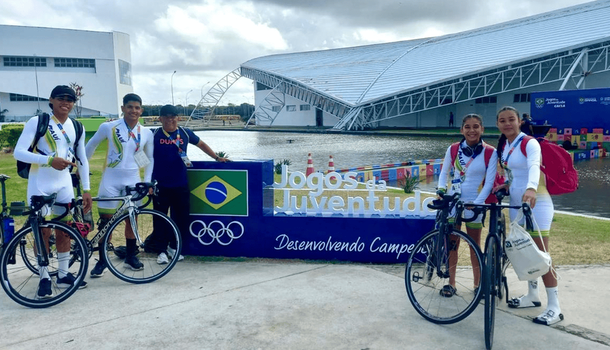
(203, 40)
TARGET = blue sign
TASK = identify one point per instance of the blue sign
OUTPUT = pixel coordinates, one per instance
(573, 109)
(305, 226)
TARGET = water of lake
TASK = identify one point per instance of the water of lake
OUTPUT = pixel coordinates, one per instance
(359, 150)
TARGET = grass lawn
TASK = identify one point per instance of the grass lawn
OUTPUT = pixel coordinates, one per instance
(574, 240)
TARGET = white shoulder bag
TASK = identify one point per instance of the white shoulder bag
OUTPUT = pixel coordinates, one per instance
(528, 261)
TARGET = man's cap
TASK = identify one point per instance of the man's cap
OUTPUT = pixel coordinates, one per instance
(63, 91)
(168, 110)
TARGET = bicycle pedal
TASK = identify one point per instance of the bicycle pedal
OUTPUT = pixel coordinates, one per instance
(416, 277)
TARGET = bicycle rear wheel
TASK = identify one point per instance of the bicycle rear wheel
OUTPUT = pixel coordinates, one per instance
(429, 269)
(143, 227)
(492, 287)
(19, 266)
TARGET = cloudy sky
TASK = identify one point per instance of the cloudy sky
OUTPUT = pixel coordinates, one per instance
(204, 40)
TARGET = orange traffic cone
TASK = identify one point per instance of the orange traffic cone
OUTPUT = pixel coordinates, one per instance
(310, 169)
(331, 167)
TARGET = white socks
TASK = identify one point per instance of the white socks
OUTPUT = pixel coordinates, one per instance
(532, 291)
(532, 295)
(63, 262)
(44, 272)
(553, 303)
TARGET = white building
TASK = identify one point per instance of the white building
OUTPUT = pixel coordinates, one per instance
(33, 60)
(418, 83)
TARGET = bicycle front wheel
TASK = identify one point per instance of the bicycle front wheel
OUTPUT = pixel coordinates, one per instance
(437, 262)
(19, 270)
(492, 287)
(114, 246)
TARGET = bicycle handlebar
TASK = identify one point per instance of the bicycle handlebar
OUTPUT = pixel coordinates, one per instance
(446, 200)
(66, 206)
(141, 190)
(451, 200)
(38, 202)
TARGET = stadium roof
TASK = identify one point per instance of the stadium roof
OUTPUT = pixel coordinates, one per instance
(356, 76)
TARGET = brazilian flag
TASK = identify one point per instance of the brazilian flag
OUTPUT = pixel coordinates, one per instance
(219, 192)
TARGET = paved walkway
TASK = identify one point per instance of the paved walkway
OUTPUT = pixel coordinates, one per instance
(292, 305)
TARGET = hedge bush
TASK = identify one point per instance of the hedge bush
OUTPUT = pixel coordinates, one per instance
(10, 134)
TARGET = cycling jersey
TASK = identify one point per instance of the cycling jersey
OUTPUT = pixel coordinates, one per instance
(523, 173)
(475, 171)
(122, 146)
(57, 142)
(121, 167)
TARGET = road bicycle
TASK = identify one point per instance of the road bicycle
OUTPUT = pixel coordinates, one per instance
(433, 259)
(496, 261)
(34, 248)
(131, 215)
(443, 266)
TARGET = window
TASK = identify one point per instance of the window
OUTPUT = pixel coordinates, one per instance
(521, 98)
(74, 62)
(11, 61)
(276, 108)
(486, 99)
(305, 107)
(291, 108)
(25, 98)
(125, 72)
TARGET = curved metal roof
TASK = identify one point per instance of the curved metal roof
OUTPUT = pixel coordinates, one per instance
(363, 74)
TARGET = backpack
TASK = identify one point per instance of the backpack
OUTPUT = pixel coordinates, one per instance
(488, 152)
(559, 172)
(23, 169)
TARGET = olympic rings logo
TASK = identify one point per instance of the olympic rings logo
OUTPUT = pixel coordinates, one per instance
(216, 230)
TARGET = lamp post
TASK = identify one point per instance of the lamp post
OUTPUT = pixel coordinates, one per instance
(186, 101)
(203, 87)
(172, 86)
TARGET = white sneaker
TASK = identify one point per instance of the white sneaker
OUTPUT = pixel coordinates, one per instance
(171, 252)
(162, 259)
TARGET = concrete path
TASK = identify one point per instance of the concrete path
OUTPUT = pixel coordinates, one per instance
(293, 305)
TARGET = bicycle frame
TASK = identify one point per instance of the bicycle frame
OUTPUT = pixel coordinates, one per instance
(34, 220)
(496, 262)
(444, 207)
(128, 206)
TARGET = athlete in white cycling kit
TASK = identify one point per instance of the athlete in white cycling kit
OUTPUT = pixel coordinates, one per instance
(50, 173)
(121, 168)
(526, 185)
(466, 175)
(130, 147)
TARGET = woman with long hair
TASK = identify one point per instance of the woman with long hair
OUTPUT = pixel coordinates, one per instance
(526, 185)
(470, 167)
